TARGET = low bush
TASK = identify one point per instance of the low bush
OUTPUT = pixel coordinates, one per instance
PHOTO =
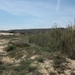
(58, 63)
(37, 73)
(40, 59)
(10, 47)
(24, 66)
(20, 44)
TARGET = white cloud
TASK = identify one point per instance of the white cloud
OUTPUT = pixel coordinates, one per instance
(57, 8)
(31, 13)
(20, 7)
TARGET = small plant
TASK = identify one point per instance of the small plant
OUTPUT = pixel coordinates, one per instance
(37, 73)
(24, 66)
(26, 45)
(58, 63)
(40, 59)
(32, 68)
(3, 67)
(72, 73)
(58, 60)
(52, 73)
(1, 62)
(10, 47)
(20, 44)
(48, 49)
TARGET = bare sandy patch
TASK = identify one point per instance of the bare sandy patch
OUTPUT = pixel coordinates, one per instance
(6, 33)
(71, 64)
(46, 67)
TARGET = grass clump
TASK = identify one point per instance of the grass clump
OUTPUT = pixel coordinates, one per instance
(20, 44)
(25, 66)
(37, 73)
(10, 47)
(72, 73)
(4, 67)
(58, 63)
(16, 49)
(52, 73)
(40, 59)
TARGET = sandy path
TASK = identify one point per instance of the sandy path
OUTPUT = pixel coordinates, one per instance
(3, 54)
(3, 44)
(1, 33)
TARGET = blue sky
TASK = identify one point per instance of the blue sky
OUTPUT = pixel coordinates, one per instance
(29, 14)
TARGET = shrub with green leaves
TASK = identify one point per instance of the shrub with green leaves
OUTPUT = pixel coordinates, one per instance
(10, 48)
(57, 39)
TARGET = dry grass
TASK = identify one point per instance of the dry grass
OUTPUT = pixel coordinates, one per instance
(48, 51)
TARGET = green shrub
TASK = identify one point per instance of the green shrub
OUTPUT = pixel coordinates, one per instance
(57, 39)
(48, 49)
(10, 47)
(40, 59)
(20, 44)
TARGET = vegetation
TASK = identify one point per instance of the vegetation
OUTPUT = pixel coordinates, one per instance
(56, 40)
(24, 66)
(10, 47)
(52, 73)
(40, 59)
(55, 44)
(72, 73)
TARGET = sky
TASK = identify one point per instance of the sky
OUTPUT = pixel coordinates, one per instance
(30, 14)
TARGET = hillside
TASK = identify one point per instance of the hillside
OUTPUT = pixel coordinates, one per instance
(37, 52)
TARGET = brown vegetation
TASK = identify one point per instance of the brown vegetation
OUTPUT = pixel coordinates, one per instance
(39, 52)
